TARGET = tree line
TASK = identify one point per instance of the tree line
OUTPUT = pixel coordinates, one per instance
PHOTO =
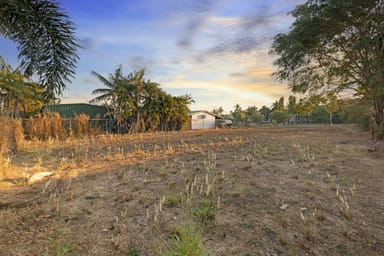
(302, 111)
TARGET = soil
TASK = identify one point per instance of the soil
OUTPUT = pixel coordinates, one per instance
(257, 191)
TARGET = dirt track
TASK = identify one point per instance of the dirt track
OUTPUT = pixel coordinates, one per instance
(272, 191)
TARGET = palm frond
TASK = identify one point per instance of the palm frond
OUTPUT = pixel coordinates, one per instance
(45, 39)
(102, 79)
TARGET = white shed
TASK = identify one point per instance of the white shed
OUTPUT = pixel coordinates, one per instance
(202, 119)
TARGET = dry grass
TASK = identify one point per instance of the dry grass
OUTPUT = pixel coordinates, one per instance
(11, 136)
(50, 125)
(249, 192)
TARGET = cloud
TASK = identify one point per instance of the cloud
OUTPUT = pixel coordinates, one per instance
(240, 44)
(237, 75)
(197, 13)
(87, 43)
(139, 62)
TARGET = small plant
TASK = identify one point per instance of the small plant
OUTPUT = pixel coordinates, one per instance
(206, 211)
(172, 200)
(186, 241)
(162, 172)
(59, 245)
(134, 252)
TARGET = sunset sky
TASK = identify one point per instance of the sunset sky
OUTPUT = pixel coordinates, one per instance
(215, 50)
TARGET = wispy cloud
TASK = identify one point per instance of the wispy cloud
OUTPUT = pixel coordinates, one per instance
(215, 49)
(196, 13)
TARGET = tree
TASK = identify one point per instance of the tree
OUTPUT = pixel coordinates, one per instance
(253, 114)
(320, 115)
(331, 106)
(336, 46)
(354, 111)
(264, 111)
(16, 91)
(292, 105)
(112, 94)
(278, 116)
(239, 115)
(218, 111)
(45, 39)
(140, 105)
(278, 105)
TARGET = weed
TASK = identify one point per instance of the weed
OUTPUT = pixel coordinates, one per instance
(172, 200)
(59, 245)
(187, 241)
(171, 185)
(134, 252)
(162, 172)
(206, 211)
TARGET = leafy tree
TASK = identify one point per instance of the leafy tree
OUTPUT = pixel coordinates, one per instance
(253, 114)
(292, 107)
(264, 111)
(354, 111)
(278, 116)
(335, 46)
(331, 106)
(320, 115)
(239, 115)
(304, 109)
(45, 39)
(278, 105)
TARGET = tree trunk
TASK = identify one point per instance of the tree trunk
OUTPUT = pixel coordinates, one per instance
(378, 118)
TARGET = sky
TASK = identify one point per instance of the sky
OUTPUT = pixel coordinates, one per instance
(215, 50)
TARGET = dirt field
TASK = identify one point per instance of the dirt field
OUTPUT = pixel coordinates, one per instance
(260, 191)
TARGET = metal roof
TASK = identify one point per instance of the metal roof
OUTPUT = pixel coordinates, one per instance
(69, 110)
(205, 111)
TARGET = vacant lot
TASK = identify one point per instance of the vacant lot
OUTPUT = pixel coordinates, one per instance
(261, 191)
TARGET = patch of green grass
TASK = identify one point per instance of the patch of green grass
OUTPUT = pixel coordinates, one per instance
(59, 245)
(206, 211)
(187, 241)
(134, 252)
(172, 200)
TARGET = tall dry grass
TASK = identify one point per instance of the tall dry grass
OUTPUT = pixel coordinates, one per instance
(46, 126)
(11, 136)
(50, 125)
(81, 126)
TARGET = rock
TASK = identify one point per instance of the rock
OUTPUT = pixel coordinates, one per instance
(378, 147)
(36, 177)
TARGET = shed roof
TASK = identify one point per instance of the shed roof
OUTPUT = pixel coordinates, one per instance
(69, 110)
(207, 112)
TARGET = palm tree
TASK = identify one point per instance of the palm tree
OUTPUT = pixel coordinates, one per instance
(112, 95)
(15, 89)
(125, 96)
(45, 39)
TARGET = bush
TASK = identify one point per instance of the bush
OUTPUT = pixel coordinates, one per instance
(279, 116)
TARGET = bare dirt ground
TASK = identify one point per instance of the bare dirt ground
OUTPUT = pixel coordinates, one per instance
(259, 191)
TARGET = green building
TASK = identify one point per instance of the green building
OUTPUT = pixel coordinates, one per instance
(69, 110)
